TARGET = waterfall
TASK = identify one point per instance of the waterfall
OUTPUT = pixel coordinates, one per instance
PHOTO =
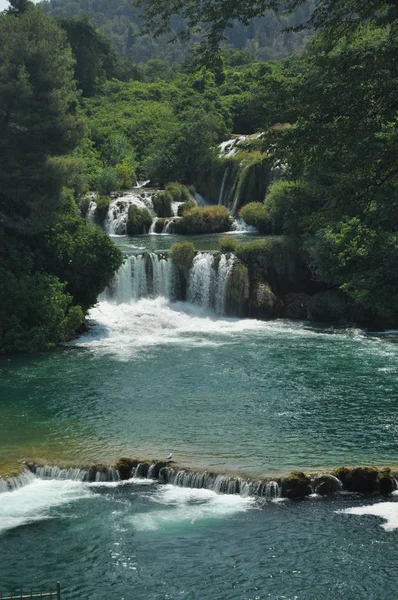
(201, 280)
(144, 276)
(224, 181)
(152, 228)
(224, 270)
(116, 220)
(239, 226)
(208, 281)
(14, 483)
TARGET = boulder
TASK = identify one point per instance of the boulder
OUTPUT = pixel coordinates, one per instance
(296, 485)
(327, 484)
(265, 303)
(296, 306)
(125, 467)
(364, 480)
(387, 482)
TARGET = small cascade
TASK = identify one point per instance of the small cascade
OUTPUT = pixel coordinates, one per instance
(15, 483)
(97, 473)
(144, 276)
(201, 280)
(116, 220)
(225, 267)
(200, 200)
(222, 189)
(153, 226)
(208, 281)
(239, 226)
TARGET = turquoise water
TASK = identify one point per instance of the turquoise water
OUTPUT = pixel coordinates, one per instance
(151, 377)
(161, 242)
(150, 542)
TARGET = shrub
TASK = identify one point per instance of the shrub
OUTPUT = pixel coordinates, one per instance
(101, 210)
(159, 225)
(288, 204)
(227, 244)
(255, 215)
(208, 219)
(139, 220)
(162, 204)
(186, 206)
(182, 255)
(178, 192)
(107, 181)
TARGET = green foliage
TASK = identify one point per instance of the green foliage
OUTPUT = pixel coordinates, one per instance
(139, 220)
(238, 290)
(94, 57)
(182, 255)
(253, 180)
(38, 118)
(159, 225)
(327, 306)
(107, 181)
(227, 244)
(162, 204)
(35, 310)
(83, 256)
(186, 206)
(126, 173)
(101, 209)
(178, 192)
(291, 205)
(208, 219)
(84, 206)
(255, 214)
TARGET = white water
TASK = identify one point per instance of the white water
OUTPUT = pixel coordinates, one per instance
(231, 147)
(116, 220)
(201, 280)
(180, 506)
(385, 510)
(239, 226)
(225, 267)
(224, 180)
(34, 501)
(142, 276)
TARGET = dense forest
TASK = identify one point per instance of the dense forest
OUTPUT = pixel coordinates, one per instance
(264, 38)
(83, 109)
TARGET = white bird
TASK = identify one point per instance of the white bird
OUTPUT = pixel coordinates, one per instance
(170, 456)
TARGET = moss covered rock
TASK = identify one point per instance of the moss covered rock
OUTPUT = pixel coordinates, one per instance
(139, 220)
(237, 293)
(387, 482)
(265, 303)
(125, 467)
(364, 480)
(296, 485)
(296, 306)
(327, 484)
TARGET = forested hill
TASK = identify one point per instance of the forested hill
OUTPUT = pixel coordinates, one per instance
(263, 39)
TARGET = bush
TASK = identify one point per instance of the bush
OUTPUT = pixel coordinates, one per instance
(101, 210)
(182, 255)
(139, 220)
(159, 225)
(227, 244)
(255, 215)
(162, 204)
(36, 312)
(289, 204)
(107, 181)
(178, 192)
(186, 206)
(208, 219)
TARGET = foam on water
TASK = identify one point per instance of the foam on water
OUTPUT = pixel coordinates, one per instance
(185, 506)
(34, 501)
(128, 328)
(385, 510)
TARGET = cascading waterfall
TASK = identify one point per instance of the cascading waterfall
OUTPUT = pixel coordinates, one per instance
(225, 267)
(14, 483)
(158, 472)
(208, 281)
(116, 221)
(142, 276)
(201, 280)
(224, 180)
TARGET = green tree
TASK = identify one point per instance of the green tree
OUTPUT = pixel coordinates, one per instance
(37, 118)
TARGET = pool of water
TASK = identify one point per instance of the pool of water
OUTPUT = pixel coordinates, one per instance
(152, 377)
